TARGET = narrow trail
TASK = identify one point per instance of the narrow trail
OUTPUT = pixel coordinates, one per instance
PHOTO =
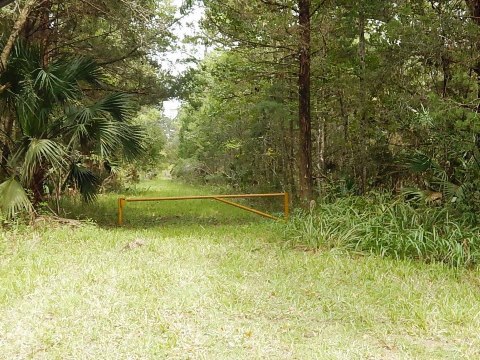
(212, 282)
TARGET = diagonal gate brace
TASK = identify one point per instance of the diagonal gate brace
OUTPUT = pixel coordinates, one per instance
(255, 211)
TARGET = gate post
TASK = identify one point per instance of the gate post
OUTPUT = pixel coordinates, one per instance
(121, 203)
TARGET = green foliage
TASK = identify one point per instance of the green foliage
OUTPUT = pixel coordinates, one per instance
(388, 228)
(13, 198)
(58, 127)
(234, 130)
(459, 188)
(415, 91)
(154, 158)
(86, 181)
(190, 170)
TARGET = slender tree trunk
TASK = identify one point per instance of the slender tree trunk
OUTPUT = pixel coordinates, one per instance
(36, 186)
(284, 151)
(447, 75)
(305, 126)
(321, 136)
(45, 30)
(363, 100)
(291, 158)
(474, 7)
(344, 114)
(321, 145)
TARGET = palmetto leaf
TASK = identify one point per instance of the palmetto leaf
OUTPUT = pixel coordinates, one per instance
(119, 137)
(83, 69)
(117, 105)
(420, 162)
(60, 80)
(86, 181)
(131, 137)
(104, 120)
(111, 167)
(13, 198)
(54, 121)
(38, 152)
(53, 87)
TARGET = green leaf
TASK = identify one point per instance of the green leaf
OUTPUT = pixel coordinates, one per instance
(420, 162)
(86, 181)
(13, 198)
(39, 152)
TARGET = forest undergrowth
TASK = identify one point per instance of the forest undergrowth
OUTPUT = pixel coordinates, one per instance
(388, 227)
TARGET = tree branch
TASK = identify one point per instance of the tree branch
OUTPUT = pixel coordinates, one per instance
(17, 28)
(280, 5)
(126, 56)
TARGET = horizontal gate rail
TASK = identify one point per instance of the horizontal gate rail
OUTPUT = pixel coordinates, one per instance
(220, 198)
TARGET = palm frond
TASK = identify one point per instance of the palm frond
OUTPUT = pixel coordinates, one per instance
(39, 152)
(86, 181)
(131, 137)
(420, 162)
(111, 167)
(414, 195)
(26, 54)
(117, 105)
(53, 87)
(83, 69)
(27, 104)
(119, 139)
(13, 198)
(60, 80)
(108, 137)
(95, 121)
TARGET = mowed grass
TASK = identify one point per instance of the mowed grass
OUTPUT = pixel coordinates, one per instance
(211, 282)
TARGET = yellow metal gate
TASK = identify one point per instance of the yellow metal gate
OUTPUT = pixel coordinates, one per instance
(221, 198)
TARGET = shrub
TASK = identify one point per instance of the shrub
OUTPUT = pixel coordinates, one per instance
(388, 228)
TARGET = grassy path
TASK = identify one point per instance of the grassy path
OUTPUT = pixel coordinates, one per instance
(212, 282)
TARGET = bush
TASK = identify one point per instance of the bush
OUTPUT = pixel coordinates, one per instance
(388, 228)
(189, 170)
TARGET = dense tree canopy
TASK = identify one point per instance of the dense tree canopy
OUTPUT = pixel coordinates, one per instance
(302, 95)
(394, 96)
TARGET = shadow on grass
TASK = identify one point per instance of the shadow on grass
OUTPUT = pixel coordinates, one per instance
(180, 221)
(141, 217)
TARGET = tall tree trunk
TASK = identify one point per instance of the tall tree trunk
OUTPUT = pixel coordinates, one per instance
(45, 31)
(447, 75)
(321, 145)
(474, 7)
(319, 162)
(363, 99)
(305, 126)
(291, 157)
(36, 185)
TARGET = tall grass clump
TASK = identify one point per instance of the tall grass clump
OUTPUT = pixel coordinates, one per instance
(388, 228)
